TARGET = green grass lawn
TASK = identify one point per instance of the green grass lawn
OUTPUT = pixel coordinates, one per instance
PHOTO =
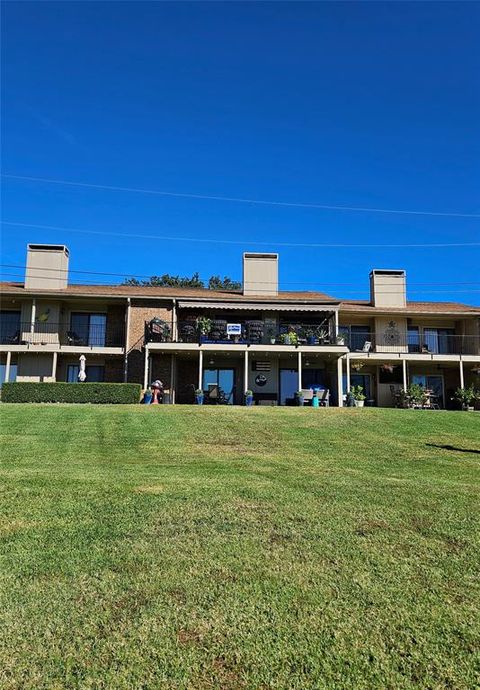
(218, 548)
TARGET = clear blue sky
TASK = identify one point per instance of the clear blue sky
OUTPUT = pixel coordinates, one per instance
(359, 104)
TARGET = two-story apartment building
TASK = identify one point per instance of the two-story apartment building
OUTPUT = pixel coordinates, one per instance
(259, 338)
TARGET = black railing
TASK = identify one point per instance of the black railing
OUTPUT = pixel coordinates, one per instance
(95, 335)
(247, 332)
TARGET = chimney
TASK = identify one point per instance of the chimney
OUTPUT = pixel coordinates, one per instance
(260, 274)
(388, 288)
(47, 267)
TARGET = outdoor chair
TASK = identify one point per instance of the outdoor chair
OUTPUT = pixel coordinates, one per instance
(187, 332)
(367, 346)
(74, 339)
(323, 397)
(218, 330)
(254, 331)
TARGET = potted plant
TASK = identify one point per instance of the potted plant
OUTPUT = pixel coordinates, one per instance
(358, 395)
(466, 397)
(300, 398)
(322, 335)
(340, 339)
(249, 398)
(415, 394)
(199, 396)
(310, 336)
(271, 335)
(204, 325)
(290, 338)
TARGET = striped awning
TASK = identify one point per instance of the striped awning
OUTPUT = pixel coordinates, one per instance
(257, 306)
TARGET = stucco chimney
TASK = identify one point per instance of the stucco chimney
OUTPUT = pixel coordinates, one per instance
(388, 288)
(47, 267)
(260, 274)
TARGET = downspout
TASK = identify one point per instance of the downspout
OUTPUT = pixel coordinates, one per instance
(127, 340)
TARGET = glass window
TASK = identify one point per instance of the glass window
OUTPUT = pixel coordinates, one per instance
(88, 329)
(221, 383)
(363, 380)
(9, 327)
(13, 373)
(413, 339)
(94, 373)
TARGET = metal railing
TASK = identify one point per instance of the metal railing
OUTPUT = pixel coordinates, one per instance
(430, 344)
(247, 332)
(95, 335)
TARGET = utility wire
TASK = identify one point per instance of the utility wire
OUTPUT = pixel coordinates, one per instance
(205, 279)
(233, 292)
(258, 202)
(325, 245)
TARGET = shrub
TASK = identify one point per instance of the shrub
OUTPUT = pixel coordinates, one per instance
(98, 393)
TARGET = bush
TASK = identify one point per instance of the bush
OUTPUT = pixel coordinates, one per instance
(98, 393)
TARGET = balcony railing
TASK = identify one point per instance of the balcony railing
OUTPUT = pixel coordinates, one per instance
(247, 332)
(96, 335)
(430, 344)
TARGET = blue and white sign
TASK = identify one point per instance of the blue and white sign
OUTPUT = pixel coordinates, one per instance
(234, 329)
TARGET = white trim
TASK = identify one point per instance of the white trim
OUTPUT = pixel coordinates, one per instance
(340, 381)
(200, 369)
(299, 370)
(462, 378)
(7, 366)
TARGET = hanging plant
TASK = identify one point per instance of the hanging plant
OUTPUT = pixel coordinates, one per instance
(387, 368)
(357, 366)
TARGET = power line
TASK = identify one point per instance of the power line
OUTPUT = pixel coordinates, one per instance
(240, 200)
(92, 283)
(311, 245)
(205, 279)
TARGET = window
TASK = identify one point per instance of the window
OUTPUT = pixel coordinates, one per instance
(413, 339)
(433, 383)
(13, 373)
(355, 336)
(363, 380)
(94, 372)
(87, 329)
(9, 327)
(220, 383)
(439, 340)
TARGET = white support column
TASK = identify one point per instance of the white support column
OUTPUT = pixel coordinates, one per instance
(172, 380)
(145, 368)
(405, 379)
(33, 316)
(299, 370)
(200, 369)
(340, 381)
(462, 378)
(245, 372)
(7, 366)
(336, 325)
(174, 322)
(54, 366)
(347, 360)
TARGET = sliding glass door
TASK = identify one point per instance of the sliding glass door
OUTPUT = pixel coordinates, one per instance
(219, 385)
(433, 383)
(88, 329)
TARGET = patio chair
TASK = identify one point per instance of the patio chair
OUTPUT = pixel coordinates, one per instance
(74, 339)
(324, 397)
(218, 330)
(254, 331)
(367, 346)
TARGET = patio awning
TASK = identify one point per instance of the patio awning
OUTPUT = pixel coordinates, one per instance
(256, 306)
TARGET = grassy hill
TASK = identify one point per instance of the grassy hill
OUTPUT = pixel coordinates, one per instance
(266, 548)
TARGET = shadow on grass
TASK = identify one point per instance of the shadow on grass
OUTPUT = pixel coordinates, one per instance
(459, 450)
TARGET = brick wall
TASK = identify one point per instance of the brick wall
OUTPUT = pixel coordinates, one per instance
(113, 369)
(141, 311)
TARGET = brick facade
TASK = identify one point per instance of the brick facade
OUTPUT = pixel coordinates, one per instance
(140, 312)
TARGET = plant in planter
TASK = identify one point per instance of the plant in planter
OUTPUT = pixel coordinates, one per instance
(290, 338)
(310, 336)
(199, 396)
(204, 326)
(466, 397)
(322, 335)
(415, 394)
(271, 336)
(358, 395)
(300, 398)
(249, 398)
(340, 339)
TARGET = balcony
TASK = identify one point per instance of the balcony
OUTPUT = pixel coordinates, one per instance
(249, 332)
(429, 345)
(60, 335)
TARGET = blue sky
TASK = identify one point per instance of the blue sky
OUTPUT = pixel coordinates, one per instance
(351, 104)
